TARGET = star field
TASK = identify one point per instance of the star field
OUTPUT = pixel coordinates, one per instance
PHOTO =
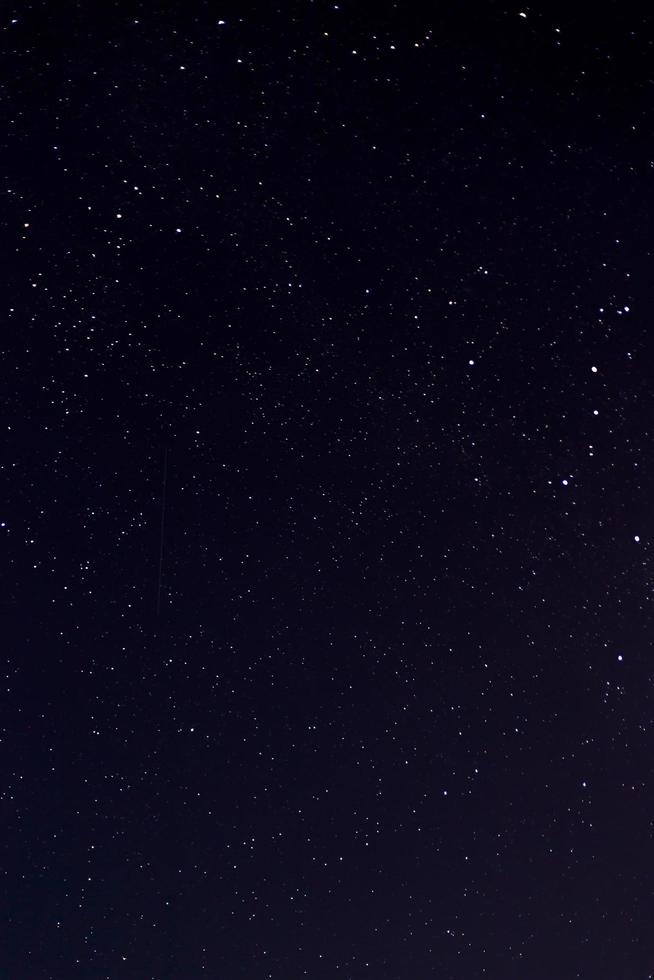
(326, 511)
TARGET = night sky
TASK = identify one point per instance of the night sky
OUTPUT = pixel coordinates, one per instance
(327, 491)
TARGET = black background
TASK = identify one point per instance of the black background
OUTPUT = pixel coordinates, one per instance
(394, 719)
